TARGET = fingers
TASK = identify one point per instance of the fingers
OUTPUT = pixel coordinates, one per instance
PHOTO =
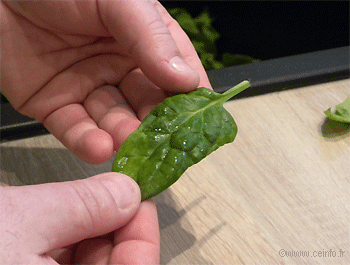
(95, 130)
(138, 26)
(139, 241)
(185, 46)
(112, 113)
(141, 94)
(50, 216)
(102, 249)
(57, 106)
(73, 127)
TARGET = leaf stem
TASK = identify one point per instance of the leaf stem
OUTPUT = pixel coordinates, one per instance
(235, 90)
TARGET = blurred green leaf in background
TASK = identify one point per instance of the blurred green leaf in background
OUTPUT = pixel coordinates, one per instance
(203, 36)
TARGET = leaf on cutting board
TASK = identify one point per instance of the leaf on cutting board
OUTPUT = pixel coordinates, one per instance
(342, 114)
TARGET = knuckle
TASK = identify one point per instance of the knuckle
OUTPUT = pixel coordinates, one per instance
(157, 26)
(89, 206)
(157, 31)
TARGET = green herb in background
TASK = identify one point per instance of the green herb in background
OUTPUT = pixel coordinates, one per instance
(343, 112)
(179, 132)
(203, 36)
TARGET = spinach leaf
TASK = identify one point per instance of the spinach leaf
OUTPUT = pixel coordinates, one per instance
(179, 132)
(343, 112)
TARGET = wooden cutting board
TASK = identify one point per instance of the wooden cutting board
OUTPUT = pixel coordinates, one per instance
(279, 194)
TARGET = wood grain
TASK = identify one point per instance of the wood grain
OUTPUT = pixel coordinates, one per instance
(281, 188)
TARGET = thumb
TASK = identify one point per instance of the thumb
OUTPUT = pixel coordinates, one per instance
(55, 215)
(140, 29)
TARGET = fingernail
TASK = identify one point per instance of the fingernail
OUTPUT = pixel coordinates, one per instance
(179, 64)
(122, 191)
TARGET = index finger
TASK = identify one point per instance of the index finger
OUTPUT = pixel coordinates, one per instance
(140, 30)
(138, 242)
(185, 45)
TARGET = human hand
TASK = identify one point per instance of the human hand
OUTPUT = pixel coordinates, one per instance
(98, 220)
(62, 60)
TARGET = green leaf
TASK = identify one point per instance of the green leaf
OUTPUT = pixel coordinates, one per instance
(204, 22)
(179, 132)
(343, 112)
(185, 20)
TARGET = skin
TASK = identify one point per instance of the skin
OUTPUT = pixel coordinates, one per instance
(98, 220)
(90, 71)
(70, 66)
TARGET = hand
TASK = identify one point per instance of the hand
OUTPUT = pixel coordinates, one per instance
(62, 60)
(98, 220)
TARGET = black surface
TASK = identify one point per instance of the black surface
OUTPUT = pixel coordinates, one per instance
(14, 125)
(274, 29)
(267, 76)
(285, 73)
